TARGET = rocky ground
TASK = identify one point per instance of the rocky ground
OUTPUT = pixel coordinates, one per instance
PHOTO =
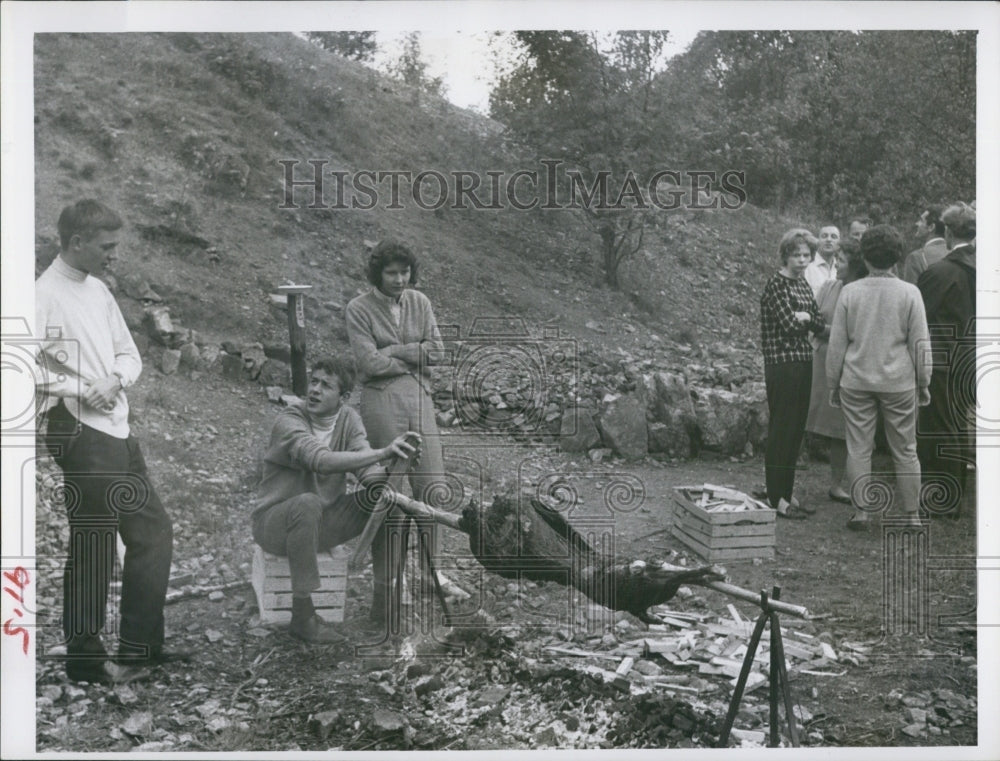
(527, 666)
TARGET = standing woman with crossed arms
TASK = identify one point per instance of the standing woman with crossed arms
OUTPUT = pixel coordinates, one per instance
(788, 314)
(393, 333)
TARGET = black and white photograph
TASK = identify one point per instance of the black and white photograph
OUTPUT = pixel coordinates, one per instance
(528, 378)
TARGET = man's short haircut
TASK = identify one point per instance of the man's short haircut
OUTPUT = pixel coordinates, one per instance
(866, 221)
(86, 218)
(342, 369)
(390, 252)
(790, 243)
(934, 212)
(960, 218)
(851, 251)
(881, 246)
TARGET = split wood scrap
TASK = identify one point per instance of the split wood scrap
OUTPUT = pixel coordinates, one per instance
(525, 538)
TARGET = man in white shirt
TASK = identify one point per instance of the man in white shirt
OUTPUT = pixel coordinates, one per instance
(823, 267)
(87, 359)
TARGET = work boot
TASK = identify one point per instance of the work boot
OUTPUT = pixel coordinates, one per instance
(308, 626)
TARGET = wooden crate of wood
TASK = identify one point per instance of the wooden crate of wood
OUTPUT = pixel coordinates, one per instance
(272, 581)
(722, 524)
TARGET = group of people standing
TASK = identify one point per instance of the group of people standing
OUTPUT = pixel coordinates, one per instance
(855, 331)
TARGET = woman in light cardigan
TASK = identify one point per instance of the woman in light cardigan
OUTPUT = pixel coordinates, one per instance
(394, 338)
(824, 420)
(878, 362)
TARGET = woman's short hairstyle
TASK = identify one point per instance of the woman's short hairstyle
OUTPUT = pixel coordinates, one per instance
(960, 218)
(341, 369)
(86, 218)
(390, 252)
(790, 243)
(881, 246)
(856, 267)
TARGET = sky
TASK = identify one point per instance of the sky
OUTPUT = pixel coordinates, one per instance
(465, 61)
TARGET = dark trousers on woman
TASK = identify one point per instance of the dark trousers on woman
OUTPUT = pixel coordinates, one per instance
(107, 490)
(788, 388)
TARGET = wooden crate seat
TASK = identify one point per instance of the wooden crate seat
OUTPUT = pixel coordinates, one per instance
(272, 581)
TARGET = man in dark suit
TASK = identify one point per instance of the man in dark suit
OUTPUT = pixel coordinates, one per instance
(945, 430)
(930, 230)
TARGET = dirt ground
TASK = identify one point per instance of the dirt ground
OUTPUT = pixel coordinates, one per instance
(254, 688)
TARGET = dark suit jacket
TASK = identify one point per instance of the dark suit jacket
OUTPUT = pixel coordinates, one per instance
(949, 292)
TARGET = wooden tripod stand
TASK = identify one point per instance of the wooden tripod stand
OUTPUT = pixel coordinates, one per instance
(778, 680)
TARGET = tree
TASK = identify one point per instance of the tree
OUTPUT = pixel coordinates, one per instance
(358, 46)
(411, 68)
(586, 102)
(834, 121)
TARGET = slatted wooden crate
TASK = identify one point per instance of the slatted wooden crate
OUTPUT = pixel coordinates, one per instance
(272, 581)
(721, 535)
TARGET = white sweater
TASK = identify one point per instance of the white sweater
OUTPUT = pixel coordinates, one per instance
(83, 338)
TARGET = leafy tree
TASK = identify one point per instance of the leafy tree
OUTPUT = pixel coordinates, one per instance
(586, 102)
(358, 46)
(411, 68)
(835, 121)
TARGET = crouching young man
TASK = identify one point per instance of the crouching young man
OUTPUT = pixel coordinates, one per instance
(302, 505)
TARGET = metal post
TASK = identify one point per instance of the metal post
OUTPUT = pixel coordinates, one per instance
(297, 334)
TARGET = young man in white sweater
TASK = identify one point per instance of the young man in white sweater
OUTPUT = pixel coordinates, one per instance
(87, 359)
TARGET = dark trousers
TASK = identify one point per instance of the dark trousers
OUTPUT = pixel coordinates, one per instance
(945, 445)
(788, 387)
(107, 490)
(301, 526)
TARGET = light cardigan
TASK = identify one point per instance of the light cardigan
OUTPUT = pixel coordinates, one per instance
(372, 331)
(82, 338)
(879, 339)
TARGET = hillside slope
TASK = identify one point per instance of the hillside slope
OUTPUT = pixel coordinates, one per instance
(183, 134)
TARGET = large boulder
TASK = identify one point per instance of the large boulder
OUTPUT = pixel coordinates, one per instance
(623, 427)
(723, 420)
(670, 410)
(577, 432)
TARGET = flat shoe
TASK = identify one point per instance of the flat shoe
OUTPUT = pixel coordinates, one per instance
(807, 509)
(793, 513)
(109, 673)
(841, 498)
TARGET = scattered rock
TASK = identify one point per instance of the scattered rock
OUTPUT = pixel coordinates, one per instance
(599, 455)
(138, 724)
(189, 355)
(916, 715)
(428, 685)
(218, 723)
(385, 721)
(216, 596)
(323, 723)
(213, 635)
(232, 366)
(170, 361)
(417, 670)
(577, 432)
(913, 730)
(623, 428)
